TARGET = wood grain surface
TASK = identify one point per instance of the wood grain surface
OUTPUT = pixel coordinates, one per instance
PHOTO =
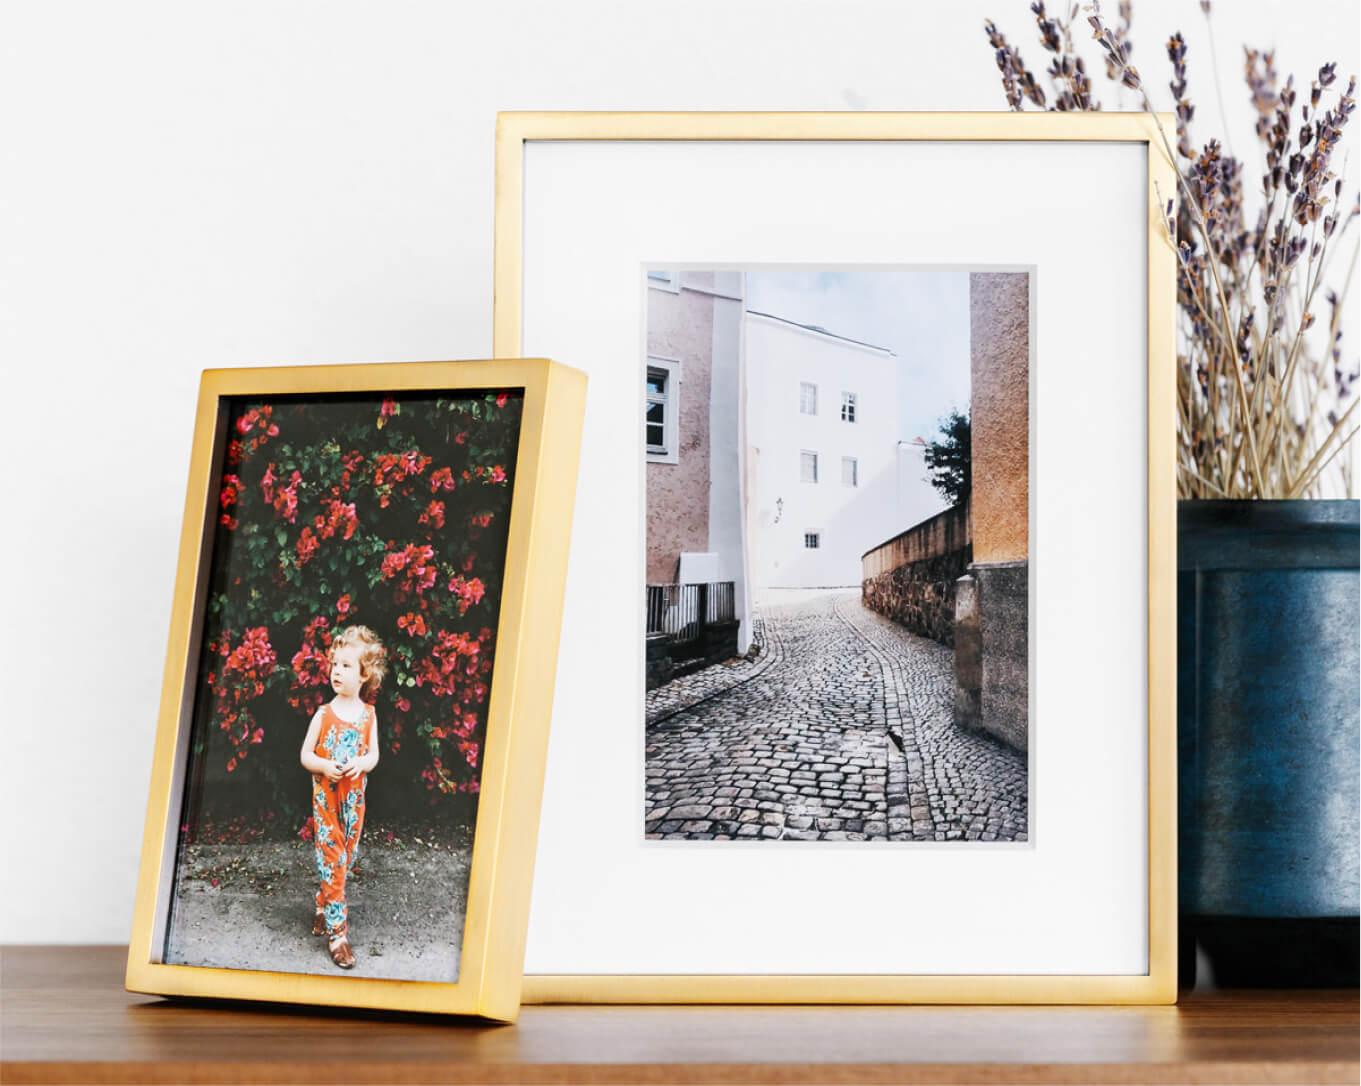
(64, 1017)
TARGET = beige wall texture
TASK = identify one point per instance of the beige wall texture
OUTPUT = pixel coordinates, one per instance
(681, 326)
(999, 327)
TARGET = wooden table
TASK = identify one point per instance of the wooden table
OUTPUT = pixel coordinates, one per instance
(65, 1018)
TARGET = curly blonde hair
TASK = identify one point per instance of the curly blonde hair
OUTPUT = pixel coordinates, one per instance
(373, 657)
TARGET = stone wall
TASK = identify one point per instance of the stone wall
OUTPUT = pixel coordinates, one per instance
(992, 651)
(921, 595)
(667, 661)
(911, 577)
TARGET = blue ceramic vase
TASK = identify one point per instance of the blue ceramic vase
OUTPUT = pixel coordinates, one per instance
(1268, 739)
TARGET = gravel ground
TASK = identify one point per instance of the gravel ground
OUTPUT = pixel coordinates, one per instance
(250, 906)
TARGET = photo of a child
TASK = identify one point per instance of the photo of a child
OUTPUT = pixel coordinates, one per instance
(340, 751)
(350, 615)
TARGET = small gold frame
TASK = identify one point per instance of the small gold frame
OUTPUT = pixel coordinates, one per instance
(1159, 985)
(518, 713)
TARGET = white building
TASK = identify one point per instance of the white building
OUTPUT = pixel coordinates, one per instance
(822, 443)
(917, 498)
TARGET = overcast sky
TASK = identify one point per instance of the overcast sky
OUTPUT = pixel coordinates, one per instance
(921, 316)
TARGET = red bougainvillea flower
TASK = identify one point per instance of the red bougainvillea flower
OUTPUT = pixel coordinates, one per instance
(285, 499)
(338, 517)
(391, 469)
(240, 680)
(235, 450)
(253, 659)
(413, 568)
(311, 666)
(442, 479)
(469, 591)
(413, 624)
(350, 463)
(230, 492)
(256, 426)
(502, 398)
(488, 476)
(344, 605)
(455, 663)
(228, 496)
(386, 411)
(308, 545)
(434, 513)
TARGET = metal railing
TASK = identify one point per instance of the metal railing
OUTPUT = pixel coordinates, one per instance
(681, 611)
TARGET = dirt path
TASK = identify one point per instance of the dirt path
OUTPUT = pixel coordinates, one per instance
(250, 907)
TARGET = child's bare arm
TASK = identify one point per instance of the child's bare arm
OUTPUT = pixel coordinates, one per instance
(308, 757)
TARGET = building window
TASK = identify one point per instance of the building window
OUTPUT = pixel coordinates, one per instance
(808, 467)
(660, 410)
(664, 280)
(848, 407)
(812, 540)
(808, 398)
(850, 471)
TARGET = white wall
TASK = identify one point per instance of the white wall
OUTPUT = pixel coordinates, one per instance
(727, 525)
(848, 520)
(189, 184)
(917, 499)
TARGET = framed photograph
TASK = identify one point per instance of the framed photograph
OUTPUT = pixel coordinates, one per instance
(353, 724)
(875, 539)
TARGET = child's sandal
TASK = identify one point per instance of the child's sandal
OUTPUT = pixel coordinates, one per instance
(339, 945)
(319, 923)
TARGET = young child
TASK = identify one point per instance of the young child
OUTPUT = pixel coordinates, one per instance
(340, 751)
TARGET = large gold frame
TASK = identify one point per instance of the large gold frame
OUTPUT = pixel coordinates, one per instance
(518, 712)
(1159, 985)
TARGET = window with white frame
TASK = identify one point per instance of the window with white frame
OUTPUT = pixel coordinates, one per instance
(808, 398)
(661, 410)
(812, 540)
(850, 471)
(808, 467)
(848, 407)
(664, 280)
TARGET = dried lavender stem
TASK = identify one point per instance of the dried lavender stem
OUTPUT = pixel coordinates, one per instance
(1309, 467)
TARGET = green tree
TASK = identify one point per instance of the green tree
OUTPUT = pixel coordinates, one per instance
(949, 458)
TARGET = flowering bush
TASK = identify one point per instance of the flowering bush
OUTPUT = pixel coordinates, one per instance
(392, 512)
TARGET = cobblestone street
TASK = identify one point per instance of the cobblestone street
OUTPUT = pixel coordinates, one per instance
(839, 728)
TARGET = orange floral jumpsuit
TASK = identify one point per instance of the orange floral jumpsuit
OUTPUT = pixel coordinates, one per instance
(338, 811)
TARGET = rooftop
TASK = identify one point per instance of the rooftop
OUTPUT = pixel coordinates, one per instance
(820, 331)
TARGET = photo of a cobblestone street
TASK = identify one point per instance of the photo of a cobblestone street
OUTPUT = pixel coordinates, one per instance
(837, 586)
(840, 727)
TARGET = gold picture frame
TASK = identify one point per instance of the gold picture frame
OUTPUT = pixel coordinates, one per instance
(519, 701)
(517, 129)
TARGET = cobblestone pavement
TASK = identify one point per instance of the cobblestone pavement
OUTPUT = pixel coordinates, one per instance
(845, 732)
(669, 699)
